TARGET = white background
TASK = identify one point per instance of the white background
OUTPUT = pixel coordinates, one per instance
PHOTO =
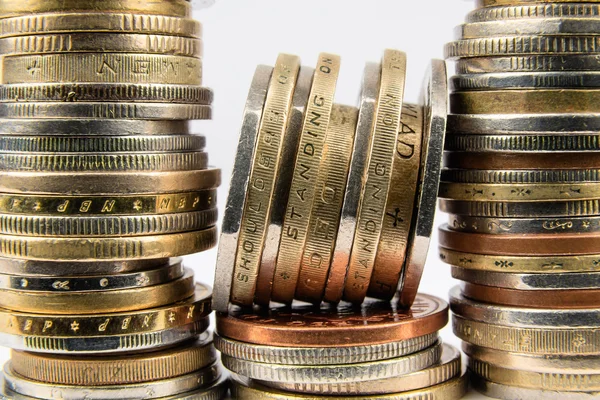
(240, 34)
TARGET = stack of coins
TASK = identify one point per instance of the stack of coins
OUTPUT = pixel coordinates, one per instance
(330, 202)
(521, 184)
(100, 184)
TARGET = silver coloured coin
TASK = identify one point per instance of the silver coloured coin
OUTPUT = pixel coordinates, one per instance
(520, 176)
(357, 176)
(232, 217)
(324, 374)
(91, 127)
(102, 144)
(148, 111)
(528, 226)
(518, 317)
(52, 268)
(505, 392)
(565, 66)
(435, 101)
(524, 80)
(515, 27)
(514, 124)
(523, 143)
(322, 355)
(564, 281)
(534, 11)
(448, 367)
(104, 92)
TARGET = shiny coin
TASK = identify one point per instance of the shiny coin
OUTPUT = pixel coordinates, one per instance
(509, 226)
(329, 374)
(497, 3)
(522, 80)
(507, 177)
(232, 217)
(573, 65)
(92, 127)
(523, 143)
(499, 391)
(374, 323)
(513, 124)
(50, 268)
(521, 192)
(499, 209)
(549, 26)
(517, 10)
(521, 160)
(322, 355)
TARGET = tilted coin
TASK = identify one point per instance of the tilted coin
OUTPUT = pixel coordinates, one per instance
(517, 45)
(521, 160)
(74, 92)
(506, 392)
(509, 177)
(322, 355)
(560, 299)
(281, 192)
(109, 42)
(50, 268)
(374, 323)
(113, 370)
(303, 190)
(519, 245)
(151, 111)
(146, 390)
(451, 390)
(232, 216)
(91, 127)
(436, 106)
(472, 80)
(266, 162)
(520, 192)
(120, 183)
(101, 301)
(176, 8)
(377, 185)
(62, 21)
(327, 205)
(121, 68)
(447, 368)
(522, 264)
(540, 10)
(517, 101)
(549, 26)
(567, 382)
(509, 226)
(503, 209)
(514, 124)
(133, 225)
(523, 143)
(328, 374)
(357, 174)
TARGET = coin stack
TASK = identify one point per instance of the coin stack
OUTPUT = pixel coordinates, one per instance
(101, 184)
(522, 186)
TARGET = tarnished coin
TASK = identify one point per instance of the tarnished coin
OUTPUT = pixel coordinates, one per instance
(471, 80)
(523, 143)
(509, 177)
(562, 68)
(521, 160)
(509, 226)
(91, 127)
(549, 26)
(505, 392)
(520, 192)
(534, 10)
(51, 268)
(514, 124)
(505, 209)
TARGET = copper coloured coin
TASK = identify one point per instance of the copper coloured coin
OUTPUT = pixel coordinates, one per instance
(521, 160)
(560, 299)
(519, 245)
(375, 322)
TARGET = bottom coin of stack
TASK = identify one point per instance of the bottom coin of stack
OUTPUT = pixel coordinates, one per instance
(525, 353)
(373, 352)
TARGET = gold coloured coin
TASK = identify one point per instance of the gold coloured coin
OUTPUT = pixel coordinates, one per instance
(96, 371)
(306, 168)
(257, 207)
(393, 243)
(102, 301)
(497, 3)
(102, 68)
(104, 249)
(326, 209)
(522, 192)
(376, 188)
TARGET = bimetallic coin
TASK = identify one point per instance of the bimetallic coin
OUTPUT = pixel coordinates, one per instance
(541, 209)
(383, 148)
(329, 374)
(475, 78)
(91, 127)
(106, 249)
(62, 21)
(232, 217)
(113, 370)
(119, 92)
(514, 124)
(509, 226)
(532, 11)
(148, 390)
(549, 26)
(523, 143)
(346, 326)
(436, 105)
(121, 68)
(322, 355)
(303, 188)
(447, 368)
(499, 391)
(357, 176)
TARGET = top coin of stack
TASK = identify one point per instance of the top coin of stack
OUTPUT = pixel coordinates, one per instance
(522, 186)
(353, 217)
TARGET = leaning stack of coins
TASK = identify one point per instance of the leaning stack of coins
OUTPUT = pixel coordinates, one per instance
(100, 184)
(332, 203)
(522, 186)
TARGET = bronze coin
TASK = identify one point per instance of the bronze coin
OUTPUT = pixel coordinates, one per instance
(375, 322)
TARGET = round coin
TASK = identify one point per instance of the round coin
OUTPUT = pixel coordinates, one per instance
(497, 177)
(550, 26)
(329, 374)
(473, 79)
(518, 10)
(374, 323)
(521, 160)
(322, 355)
(523, 143)
(540, 209)
(112, 370)
(531, 226)
(92, 127)
(521, 192)
(497, 3)
(514, 124)
(505, 392)
(569, 67)
(232, 216)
